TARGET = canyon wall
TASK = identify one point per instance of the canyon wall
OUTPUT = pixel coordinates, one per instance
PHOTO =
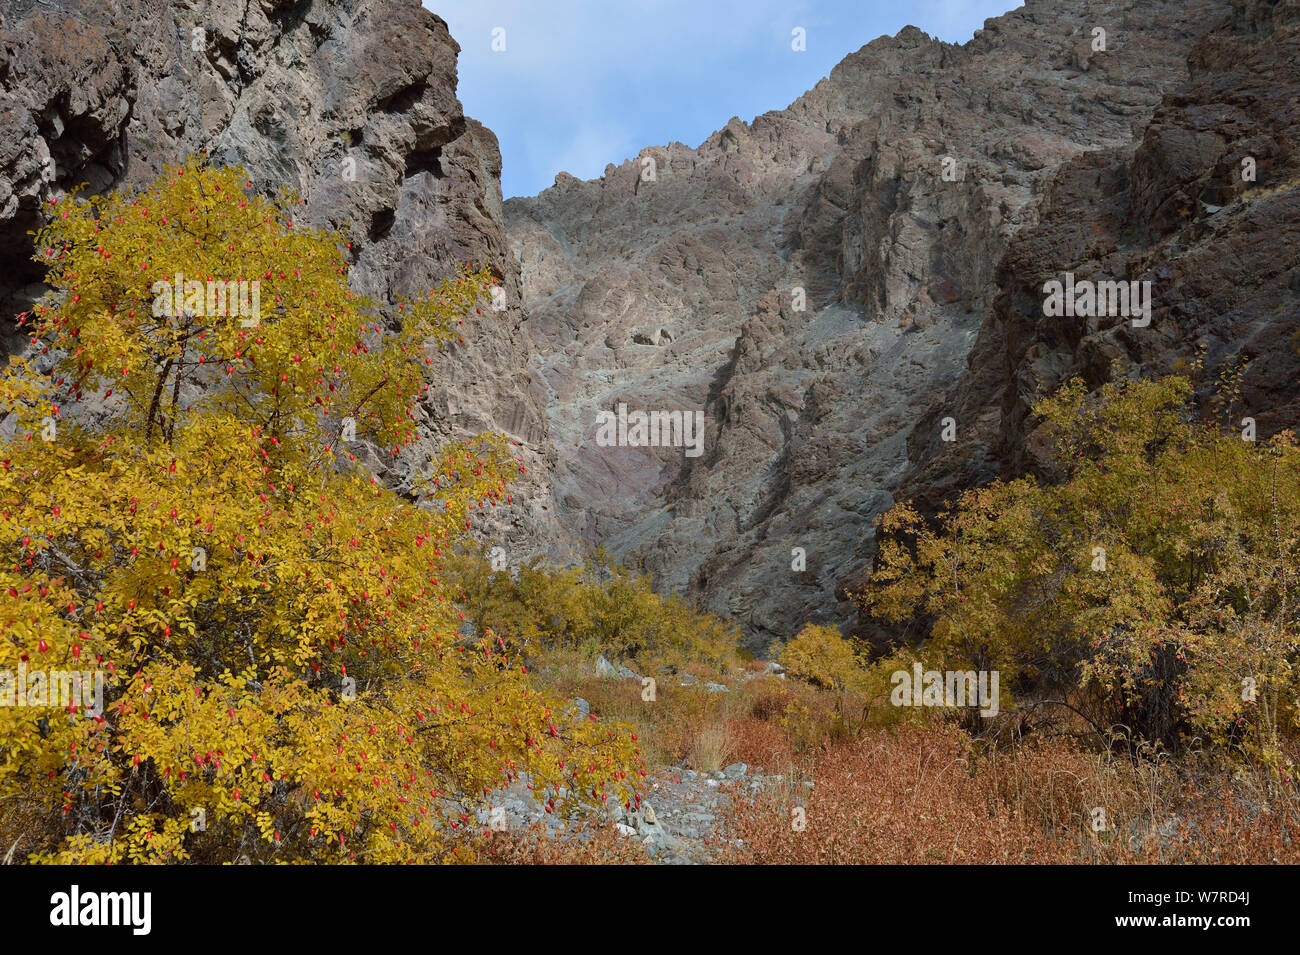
(813, 280)
(829, 284)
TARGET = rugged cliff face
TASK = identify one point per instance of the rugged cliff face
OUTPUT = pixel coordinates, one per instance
(351, 103)
(1206, 207)
(812, 281)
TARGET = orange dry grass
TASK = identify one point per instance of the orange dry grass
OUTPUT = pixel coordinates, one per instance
(905, 797)
(760, 743)
(585, 846)
(918, 794)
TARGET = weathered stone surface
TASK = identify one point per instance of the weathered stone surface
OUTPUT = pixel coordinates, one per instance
(679, 292)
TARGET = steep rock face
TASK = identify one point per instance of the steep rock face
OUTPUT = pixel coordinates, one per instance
(1206, 208)
(811, 281)
(351, 103)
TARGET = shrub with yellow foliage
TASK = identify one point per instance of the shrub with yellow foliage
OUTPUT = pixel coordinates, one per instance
(284, 679)
(1153, 588)
(823, 657)
(600, 607)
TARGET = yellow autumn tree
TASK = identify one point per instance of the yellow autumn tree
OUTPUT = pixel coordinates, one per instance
(1153, 589)
(598, 607)
(823, 657)
(283, 673)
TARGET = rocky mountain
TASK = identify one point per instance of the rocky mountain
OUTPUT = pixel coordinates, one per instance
(351, 103)
(1206, 208)
(814, 280)
(835, 287)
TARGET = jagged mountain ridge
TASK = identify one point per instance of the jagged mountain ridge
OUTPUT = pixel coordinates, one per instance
(679, 292)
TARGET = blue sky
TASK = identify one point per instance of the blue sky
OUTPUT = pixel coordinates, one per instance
(583, 83)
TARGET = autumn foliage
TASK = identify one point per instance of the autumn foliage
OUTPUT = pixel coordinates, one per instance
(183, 508)
(599, 607)
(1149, 588)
